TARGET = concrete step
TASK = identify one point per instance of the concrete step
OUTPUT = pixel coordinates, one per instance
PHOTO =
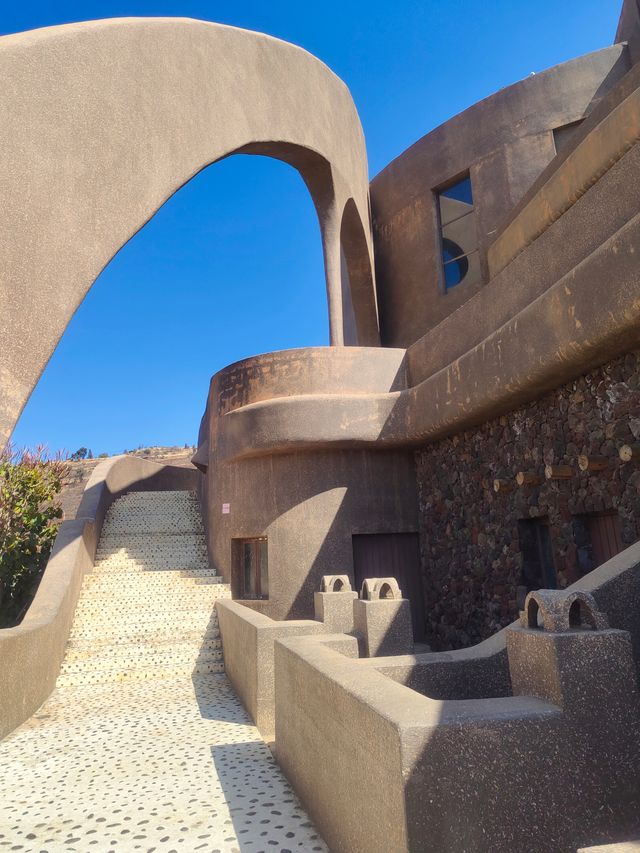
(107, 605)
(147, 610)
(199, 566)
(123, 662)
(116, 582)
(178, 597)
(193, 644)
(150, 632)
(139, 674)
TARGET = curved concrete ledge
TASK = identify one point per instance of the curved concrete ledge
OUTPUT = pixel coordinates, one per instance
(308, 370)
(31, 653)
(312, 421)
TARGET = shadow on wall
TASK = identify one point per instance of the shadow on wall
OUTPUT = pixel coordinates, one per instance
(310, 507)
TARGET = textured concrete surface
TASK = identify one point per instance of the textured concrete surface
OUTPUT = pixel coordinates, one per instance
(141, 747)
(450, 768)
(103, 121)
(505, 141)
(248, 642)
(31, 653)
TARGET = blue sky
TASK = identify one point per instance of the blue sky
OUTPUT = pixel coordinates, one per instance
(232, 266)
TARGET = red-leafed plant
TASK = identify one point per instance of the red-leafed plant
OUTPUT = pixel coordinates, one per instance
(30, 481)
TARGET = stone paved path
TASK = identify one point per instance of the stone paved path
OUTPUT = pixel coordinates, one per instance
(143, 745)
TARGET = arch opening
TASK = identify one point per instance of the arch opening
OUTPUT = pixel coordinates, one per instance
(212, 277)
(360, 318)
(534, 614)
(581, 617)
(96, 155)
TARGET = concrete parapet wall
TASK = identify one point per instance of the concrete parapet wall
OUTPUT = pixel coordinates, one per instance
(381, 767)
(248, 640)
(31, 653)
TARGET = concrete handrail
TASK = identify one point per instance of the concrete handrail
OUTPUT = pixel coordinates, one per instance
(31, 653)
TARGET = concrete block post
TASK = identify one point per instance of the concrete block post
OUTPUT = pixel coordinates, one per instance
(383, 619)
(334, 604)
(564, 652)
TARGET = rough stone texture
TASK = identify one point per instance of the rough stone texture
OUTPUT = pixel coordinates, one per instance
(470, 546)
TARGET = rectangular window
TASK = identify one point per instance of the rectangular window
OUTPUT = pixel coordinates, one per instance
(459, 243)
(538, 566)
(562, 136)
(250, 568)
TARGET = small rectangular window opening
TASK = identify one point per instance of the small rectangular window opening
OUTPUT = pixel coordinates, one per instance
(562, 136)
(458, 240)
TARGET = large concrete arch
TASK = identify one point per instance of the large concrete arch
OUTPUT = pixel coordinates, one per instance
(101, 122)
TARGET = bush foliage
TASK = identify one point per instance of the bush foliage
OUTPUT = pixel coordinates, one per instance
(29, 515)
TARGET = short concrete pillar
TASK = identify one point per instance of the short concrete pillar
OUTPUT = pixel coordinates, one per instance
(564, 652)
(382, 618)
(334, 604)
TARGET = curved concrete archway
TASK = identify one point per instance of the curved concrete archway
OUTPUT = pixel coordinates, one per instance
(360, 320)
(101, 122)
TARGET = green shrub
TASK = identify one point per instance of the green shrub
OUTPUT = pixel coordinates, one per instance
(29, 484)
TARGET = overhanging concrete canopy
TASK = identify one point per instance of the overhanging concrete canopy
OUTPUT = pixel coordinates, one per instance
(101, 122)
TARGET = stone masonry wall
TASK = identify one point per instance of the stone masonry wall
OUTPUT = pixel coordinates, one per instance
(471, 557)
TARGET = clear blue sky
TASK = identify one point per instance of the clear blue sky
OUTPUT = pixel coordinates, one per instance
(231, 266)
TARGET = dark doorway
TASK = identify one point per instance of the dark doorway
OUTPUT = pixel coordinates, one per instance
(250, 578)
(393, 555)
(538, 566)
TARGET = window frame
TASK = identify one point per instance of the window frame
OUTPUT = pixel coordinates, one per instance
(437, 194)
(260, 580)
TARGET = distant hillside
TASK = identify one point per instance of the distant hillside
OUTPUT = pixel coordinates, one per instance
(82, 469)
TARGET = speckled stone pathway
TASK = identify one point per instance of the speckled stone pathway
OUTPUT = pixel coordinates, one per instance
(134, 751)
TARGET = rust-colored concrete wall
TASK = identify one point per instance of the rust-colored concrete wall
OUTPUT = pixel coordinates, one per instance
(307, 504)
(505, 142)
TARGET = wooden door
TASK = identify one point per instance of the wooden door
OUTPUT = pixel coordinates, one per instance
(606, 537)
(394, 555)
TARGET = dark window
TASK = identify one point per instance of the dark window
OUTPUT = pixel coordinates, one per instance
(562, 136)
(460, 260)
(250, 568)
(538, 568)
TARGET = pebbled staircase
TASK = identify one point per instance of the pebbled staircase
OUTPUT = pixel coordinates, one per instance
(147, 610)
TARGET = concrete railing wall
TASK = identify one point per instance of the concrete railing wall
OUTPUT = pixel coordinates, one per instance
(248, 640)
(31, 653)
